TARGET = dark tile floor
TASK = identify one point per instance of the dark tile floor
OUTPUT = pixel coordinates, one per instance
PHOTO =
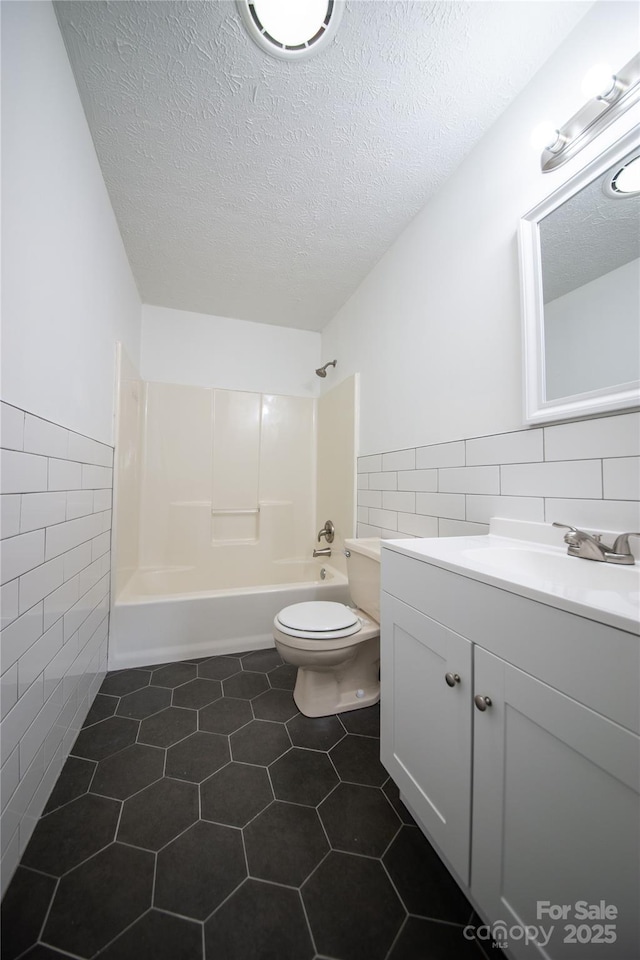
(202, 817)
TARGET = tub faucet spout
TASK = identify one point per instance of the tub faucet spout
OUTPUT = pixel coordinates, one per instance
(324, 552)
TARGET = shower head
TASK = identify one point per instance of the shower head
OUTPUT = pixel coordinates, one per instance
(322, 371)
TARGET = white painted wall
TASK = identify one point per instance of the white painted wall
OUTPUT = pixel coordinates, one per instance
(68, 291)
(204, 351)
(592, 334)
(337, 425)
(434, 329)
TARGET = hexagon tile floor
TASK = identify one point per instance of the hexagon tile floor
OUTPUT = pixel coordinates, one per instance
(200, 816)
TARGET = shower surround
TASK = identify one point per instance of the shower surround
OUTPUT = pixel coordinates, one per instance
(215, 518)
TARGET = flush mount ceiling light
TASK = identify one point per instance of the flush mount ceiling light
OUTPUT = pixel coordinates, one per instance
(625, 182)
(291, 29)
(610, 95)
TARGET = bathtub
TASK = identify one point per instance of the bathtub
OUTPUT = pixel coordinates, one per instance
(164, 615)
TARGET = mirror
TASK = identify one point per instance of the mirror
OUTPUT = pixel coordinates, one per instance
(580, 281)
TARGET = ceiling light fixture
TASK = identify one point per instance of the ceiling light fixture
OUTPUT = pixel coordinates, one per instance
(610, 94)
(291, 29)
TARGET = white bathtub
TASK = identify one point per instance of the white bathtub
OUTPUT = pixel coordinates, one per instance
(165, 615)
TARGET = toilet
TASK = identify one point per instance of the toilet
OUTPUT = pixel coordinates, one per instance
(336, 648)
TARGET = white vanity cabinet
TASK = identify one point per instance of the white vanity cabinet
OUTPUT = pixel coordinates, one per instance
(533, 802)
(555, 812)
(427, 745)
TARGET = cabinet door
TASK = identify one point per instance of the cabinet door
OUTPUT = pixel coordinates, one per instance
(556, 816)
(426, 724)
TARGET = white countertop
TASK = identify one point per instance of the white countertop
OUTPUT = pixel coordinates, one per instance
(606, 592)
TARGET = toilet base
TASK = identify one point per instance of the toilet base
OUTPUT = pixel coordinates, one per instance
(322, 691)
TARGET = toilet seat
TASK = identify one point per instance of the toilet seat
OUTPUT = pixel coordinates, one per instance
(318, 620)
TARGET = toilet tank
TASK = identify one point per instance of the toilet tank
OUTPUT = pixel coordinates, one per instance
(363, 570)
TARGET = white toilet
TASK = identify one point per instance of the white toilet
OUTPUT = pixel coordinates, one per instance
(337, 648)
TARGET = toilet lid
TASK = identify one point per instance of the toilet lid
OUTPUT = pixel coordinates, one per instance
(317, 616)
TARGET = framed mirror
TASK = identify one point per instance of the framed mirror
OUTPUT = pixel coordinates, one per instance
(580, 284)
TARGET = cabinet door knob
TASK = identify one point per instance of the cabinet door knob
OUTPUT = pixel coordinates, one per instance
(482, 702)
(452, 679)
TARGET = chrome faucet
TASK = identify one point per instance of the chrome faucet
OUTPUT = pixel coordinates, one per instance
(589, 546)
(323, 552)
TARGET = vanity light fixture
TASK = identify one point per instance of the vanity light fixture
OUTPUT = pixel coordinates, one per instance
(291, 29)
(546, 136)
(610, 94)
(601, 83)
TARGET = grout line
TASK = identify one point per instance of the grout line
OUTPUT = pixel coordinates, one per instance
(41, 873)
(95, 852)
(397, 936)
(455, 924)
(63, 953)
(307, 921)
(223, 902)
(154, 878)
(244, 849)
(129, 926)
(92, 778)
(398, 831)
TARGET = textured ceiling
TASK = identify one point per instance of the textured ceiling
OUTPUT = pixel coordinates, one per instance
(265, 190)
(588, 236)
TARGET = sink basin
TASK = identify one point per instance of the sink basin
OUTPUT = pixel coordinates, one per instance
(606, 592)
(555, 569)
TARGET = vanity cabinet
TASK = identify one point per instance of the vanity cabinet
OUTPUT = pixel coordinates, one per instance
(428, 749)
(532, 801)
(555, 809)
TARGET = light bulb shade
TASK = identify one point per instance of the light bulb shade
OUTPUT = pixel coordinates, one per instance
(545, 136)
(599, 82)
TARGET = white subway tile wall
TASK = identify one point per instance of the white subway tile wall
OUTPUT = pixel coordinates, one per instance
(585, 473)
(441, 455)
(56, 491)
(423, 480)
(402, 460)
(621, 478)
